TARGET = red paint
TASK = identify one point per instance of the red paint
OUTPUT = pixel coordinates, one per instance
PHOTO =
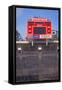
(39, 22)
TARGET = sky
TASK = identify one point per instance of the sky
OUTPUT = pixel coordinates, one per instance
(24, 14)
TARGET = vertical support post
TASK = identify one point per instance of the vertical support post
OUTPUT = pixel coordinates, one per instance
(32, 43)
(46, 42)
(39, 63)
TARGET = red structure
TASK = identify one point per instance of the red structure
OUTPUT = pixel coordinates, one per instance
(39, 28)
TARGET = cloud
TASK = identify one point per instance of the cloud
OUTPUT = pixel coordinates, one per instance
(19, 12)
